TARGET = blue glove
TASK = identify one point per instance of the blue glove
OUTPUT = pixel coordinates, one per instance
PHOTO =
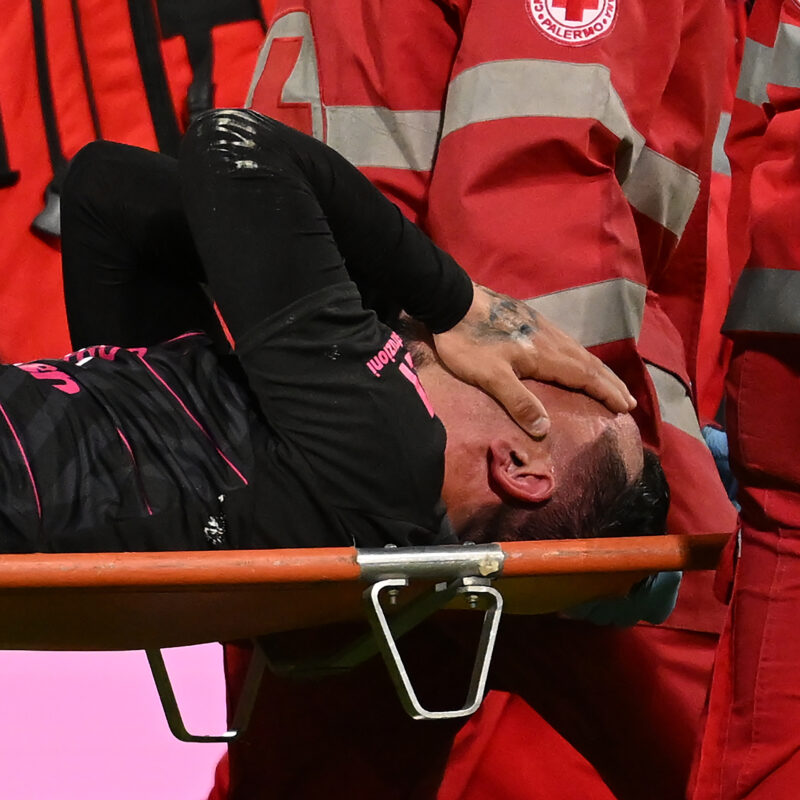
(717, 442)
(651, 600)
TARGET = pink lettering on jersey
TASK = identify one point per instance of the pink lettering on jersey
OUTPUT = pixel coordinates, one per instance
(385, 355)
(104, 351)
(408, 372)
(388, 355)
(49, 372)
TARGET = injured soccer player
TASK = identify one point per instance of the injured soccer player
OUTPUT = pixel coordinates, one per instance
(324, 427)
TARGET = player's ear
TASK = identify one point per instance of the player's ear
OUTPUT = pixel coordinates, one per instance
(522, 471)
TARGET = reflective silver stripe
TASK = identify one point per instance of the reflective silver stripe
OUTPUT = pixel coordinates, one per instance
(534, 88)
(302, 85)
(370, 136)
(719, 158)
(674, 402)
(754, 72)
(766, 300)
(785, 67)
(654, 184)
(663, 190)
(597, 313)
(367, 136)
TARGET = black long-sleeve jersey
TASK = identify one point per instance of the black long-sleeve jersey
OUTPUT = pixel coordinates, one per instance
(319, 434)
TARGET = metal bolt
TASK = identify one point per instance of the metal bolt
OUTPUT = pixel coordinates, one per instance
(392, 593)
(472, 600)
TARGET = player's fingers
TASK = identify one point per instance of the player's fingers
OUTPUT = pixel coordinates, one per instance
(574, 366)
(522, 405)
(585, 372)
(600, 382)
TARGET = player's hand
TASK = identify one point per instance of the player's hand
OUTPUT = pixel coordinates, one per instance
(502, 340)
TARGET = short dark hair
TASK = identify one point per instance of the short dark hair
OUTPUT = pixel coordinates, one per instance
(600, 501)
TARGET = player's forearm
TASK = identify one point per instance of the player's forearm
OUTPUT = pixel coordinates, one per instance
(379, 245)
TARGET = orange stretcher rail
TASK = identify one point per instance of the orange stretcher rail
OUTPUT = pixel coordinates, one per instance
(108, 601)
(149, 601)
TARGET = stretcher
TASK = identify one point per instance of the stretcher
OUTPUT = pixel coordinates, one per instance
(151, 601)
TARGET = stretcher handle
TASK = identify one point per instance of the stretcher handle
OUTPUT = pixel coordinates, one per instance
(473, 589)
(244, 707)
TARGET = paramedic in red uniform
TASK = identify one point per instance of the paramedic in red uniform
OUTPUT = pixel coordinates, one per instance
(752, 739)
(561, 150)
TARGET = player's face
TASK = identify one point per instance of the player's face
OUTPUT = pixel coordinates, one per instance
(578, 420)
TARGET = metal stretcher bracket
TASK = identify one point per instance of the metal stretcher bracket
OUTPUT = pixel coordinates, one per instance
(383, 640)
(244, 708)
(384, 633)
(150, 601)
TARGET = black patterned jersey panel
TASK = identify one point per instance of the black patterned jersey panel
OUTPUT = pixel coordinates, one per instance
(123, 449)
(165, 448)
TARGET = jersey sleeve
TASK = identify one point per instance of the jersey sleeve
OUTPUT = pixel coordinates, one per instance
(380, 247)
(285, 228)
(276, 214)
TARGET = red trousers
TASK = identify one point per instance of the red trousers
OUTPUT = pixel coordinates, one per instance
(751, 746)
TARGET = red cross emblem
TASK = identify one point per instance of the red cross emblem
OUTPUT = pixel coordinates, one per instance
(573, 22)
(574, 8)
